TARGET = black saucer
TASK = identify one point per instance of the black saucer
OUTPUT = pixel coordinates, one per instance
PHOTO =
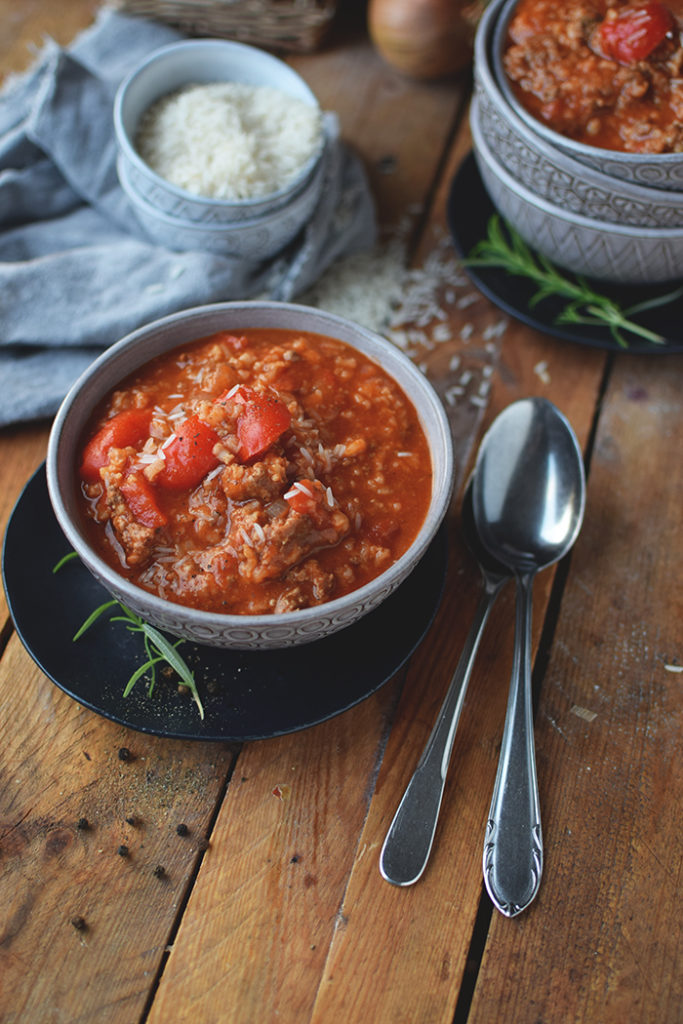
(246, 695)
(469, 210)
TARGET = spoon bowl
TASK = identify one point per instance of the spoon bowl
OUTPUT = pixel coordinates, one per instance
(528, 502)
(529, 493)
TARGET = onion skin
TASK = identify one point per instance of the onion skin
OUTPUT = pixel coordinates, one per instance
(424, 39)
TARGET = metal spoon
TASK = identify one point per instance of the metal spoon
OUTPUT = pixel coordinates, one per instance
(409, 840)
(528, 501)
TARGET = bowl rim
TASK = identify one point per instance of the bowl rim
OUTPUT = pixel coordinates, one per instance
(498, 24)
(257, 221)
(564, 161)
(229, 46)
(442, 485)
(545, 206)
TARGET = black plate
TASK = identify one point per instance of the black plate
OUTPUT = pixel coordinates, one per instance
(246, 694)
(469, 210)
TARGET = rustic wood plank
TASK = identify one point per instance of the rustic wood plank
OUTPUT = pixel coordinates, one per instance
(602, 941)
(429, 925)
(25, 26)
(381, 116)
(257, 927)
(265, 956)
(60, 763)
(417, 974)
(22, 449)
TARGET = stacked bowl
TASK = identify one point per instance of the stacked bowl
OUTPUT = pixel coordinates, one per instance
(254, 228)
(610, 215)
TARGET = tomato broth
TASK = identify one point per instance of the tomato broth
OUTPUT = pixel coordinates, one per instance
(255, 472)
(606, 73)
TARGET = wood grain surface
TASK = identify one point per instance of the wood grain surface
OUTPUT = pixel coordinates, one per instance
(143, 879)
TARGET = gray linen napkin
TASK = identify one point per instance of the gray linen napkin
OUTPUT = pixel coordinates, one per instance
(76, 269)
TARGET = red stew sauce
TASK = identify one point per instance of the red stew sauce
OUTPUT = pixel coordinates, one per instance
(254, 473)
(607, 73)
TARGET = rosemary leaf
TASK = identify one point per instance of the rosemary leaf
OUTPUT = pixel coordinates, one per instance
(139, 673)
(62, 561)
(504, 248)
(93, 617)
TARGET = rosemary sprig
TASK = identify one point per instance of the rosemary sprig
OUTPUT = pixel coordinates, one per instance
(158, 649)
(504, 248)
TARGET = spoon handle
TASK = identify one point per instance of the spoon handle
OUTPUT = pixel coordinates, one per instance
(513, 850)
(409, 840)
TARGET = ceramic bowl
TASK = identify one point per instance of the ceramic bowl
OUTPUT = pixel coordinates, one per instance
(242, 631)
(202, 61)
(596, 248)
(656, 170)
(258, 239)
(550, 172)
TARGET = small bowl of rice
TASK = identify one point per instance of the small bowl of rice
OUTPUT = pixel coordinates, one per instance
(217, 133)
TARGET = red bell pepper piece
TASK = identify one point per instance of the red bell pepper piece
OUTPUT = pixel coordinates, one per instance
(125, 429)
(188, 457)
(635, 32)
(142, 500)
(262, 421)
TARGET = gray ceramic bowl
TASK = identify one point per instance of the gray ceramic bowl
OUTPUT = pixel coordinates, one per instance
(258, 239)
(247, 631)
(656, 170)
(610, 252)
(202, 61)
(550, 172)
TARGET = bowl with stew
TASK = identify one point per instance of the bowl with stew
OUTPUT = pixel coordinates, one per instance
(550, 172)
(605, 91)
(617, 253)
(251, 475)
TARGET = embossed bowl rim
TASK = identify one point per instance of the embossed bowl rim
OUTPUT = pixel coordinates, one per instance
(558, 212)
(298, 200)
(497, 25)
(143, 344)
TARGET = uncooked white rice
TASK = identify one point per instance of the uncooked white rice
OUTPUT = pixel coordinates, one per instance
(227, 140)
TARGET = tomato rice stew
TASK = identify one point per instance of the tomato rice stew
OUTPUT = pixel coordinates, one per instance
(606, 73)
(255, 472)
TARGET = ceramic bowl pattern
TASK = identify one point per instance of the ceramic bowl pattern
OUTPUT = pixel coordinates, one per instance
(201, 61)
(253, 632)
(259, 239)
(655, 170)
(552, 174)
(609, 252)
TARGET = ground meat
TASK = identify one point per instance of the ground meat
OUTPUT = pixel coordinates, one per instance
(136, 539)
(263, 480)
(555, 62)
(275, 471)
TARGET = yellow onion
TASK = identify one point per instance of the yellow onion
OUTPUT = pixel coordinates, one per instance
(424, 38)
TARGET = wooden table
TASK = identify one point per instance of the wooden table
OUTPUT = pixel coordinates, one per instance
(271, 906)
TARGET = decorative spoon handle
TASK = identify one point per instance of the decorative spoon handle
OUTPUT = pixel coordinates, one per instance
(409, 840)
(513, 850)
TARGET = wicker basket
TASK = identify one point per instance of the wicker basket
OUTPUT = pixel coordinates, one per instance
(296, 26)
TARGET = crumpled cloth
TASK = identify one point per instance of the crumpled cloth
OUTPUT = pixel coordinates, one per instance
(76, 269)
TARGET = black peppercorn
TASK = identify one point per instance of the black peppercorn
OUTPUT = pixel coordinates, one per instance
(182, 829)
(124, 754)
(122, 850)
(83, 824)
(79, 923)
